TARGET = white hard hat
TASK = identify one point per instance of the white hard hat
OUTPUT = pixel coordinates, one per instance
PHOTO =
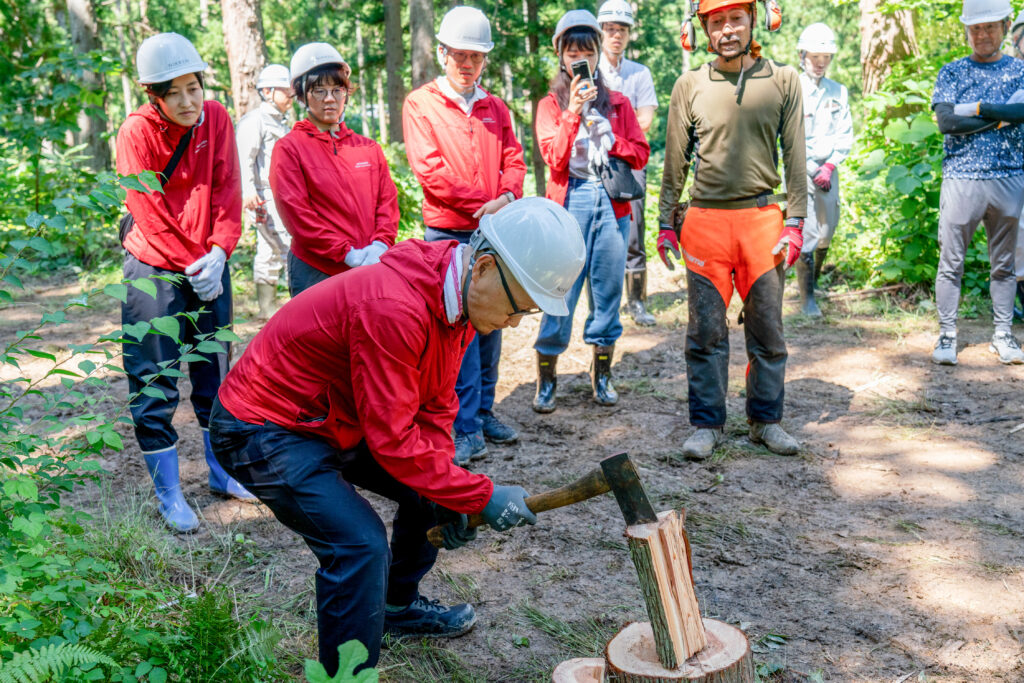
(166, 56)
(616, 11)
(571, 19)
(817, 38)
(1018, 22)
(541, 243)
(312, 55)
(466, 28)
(273, 76)
(985, 11)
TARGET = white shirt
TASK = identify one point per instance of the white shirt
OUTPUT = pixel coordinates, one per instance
(255, 136)
(630, 78)
(827, 122)
(465, 102)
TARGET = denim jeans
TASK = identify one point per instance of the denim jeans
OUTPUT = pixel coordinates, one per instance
(309, 485)
(478, 374)
(606, 238)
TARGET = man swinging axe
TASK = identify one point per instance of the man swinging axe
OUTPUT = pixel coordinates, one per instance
(352, 383)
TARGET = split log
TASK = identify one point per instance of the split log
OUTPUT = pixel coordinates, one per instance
(632, 658)
(660, 552)
(579, 670)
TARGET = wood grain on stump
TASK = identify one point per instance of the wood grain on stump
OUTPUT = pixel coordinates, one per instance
(579, 670)
(632, 657)
(659, 552)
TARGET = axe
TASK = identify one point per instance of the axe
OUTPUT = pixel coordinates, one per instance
(616, 474)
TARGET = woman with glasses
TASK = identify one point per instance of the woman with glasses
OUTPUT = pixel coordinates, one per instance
(580, 125)
(332, 187)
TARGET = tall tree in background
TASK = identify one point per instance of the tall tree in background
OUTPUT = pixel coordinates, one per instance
(536, 85)
(885, 38)
(91, 121)
(247, 53)
(421, 41)
(394, 56)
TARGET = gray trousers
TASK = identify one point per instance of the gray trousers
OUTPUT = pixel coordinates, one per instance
(822, 215)
(636, 254)
(963, 204)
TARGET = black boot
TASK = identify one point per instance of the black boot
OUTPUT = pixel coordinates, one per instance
(636, 293)
(601, 380)
(547, 380)
(819, 260)
(805, 281)
(1018, 311)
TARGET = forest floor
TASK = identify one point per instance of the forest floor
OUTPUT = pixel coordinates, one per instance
(890, 549)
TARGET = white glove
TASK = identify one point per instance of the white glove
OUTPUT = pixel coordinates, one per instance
(355, 257)
(601, 139)
(1015, 98)
(966, 109)
(374, 252)
(205, 274)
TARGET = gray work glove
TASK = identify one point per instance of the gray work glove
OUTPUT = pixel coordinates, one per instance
(507, 508)
(205, 274)
(454, 528)
(374, 252)
(355, 257)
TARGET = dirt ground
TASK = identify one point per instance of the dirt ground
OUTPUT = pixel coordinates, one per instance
(890, 549)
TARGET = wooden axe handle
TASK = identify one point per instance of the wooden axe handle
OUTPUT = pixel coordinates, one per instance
(593, 484)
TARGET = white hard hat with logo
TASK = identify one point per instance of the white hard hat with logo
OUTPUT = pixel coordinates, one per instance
(312, 55)
(273, 76)
(616, 11)
(817, 38)
(466, 28)
(572, 19)
(166, 56)
(542, 245)
(985, 11)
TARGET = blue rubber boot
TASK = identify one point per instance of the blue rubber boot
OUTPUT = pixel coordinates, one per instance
(220, 481)
(163, 468)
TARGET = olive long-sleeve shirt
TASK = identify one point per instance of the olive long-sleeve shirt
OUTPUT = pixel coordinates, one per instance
(734, 138)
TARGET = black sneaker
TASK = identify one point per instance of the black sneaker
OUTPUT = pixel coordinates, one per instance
(496, 431)
(431, 619)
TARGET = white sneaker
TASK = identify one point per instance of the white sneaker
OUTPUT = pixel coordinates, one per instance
(945, 349)
(1006, 347)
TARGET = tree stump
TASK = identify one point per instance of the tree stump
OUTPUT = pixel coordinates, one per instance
(579, 670)
(660, 552)
(632, 657)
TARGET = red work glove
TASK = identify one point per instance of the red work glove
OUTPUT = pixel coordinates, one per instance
(792, 238)
(668, 241)
(823, 177)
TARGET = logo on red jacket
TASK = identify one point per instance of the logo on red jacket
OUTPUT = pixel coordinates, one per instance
(201, 144)
(362, 164)
(487, 119)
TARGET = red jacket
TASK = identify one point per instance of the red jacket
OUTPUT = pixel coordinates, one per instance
(556, 134)
(461, 161)
(333, 194)
(201, 204)
(368, 355)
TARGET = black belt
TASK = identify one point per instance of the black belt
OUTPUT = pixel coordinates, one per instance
(748, 203)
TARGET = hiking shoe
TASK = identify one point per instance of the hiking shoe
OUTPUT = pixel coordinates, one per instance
(945, 349)
(497, 431)
(1006, 347)
(429, 618)
(774, 438)
(469, 447)
(702, 443)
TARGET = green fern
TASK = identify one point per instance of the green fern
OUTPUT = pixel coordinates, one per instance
(47, 663)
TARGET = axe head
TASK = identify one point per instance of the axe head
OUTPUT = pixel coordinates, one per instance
(624, 482)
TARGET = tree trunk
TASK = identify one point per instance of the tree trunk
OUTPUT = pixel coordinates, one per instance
(382, 113)
(393, 60)
(91, 126)
(247, 53)
(360, 82)
(580, 670)
(537, 88)
(124, 50)
(421, 41)
(632, 658)
(884, 39)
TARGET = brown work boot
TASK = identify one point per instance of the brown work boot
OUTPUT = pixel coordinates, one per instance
(702, 443)
(774, 438)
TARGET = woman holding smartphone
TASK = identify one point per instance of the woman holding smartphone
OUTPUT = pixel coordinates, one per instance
(580, 124)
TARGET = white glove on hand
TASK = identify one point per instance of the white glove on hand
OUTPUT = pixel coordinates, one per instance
(205, 274)
(355, 257)
(1015, 98)
(966, 109)
(374, 252)
(602, 138)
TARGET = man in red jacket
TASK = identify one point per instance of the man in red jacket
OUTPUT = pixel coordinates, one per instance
(352, 384)
(463, 149)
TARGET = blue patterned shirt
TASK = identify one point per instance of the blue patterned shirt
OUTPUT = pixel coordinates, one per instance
(994, 153)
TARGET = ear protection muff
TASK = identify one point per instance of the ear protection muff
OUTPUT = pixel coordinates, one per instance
(688, 34)
(772, 15)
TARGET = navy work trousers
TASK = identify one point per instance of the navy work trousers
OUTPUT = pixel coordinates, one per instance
(301, 275)
(309, 485)
(478, 375)
(153, 416)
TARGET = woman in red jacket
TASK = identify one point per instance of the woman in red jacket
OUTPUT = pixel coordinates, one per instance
(332, 187)
(181, 240)
(579, 126)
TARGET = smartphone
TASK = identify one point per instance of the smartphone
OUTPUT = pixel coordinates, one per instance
(581, 68)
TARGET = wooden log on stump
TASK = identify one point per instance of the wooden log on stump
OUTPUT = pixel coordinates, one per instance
(579, 670)
(632, 657)
(660, 552)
